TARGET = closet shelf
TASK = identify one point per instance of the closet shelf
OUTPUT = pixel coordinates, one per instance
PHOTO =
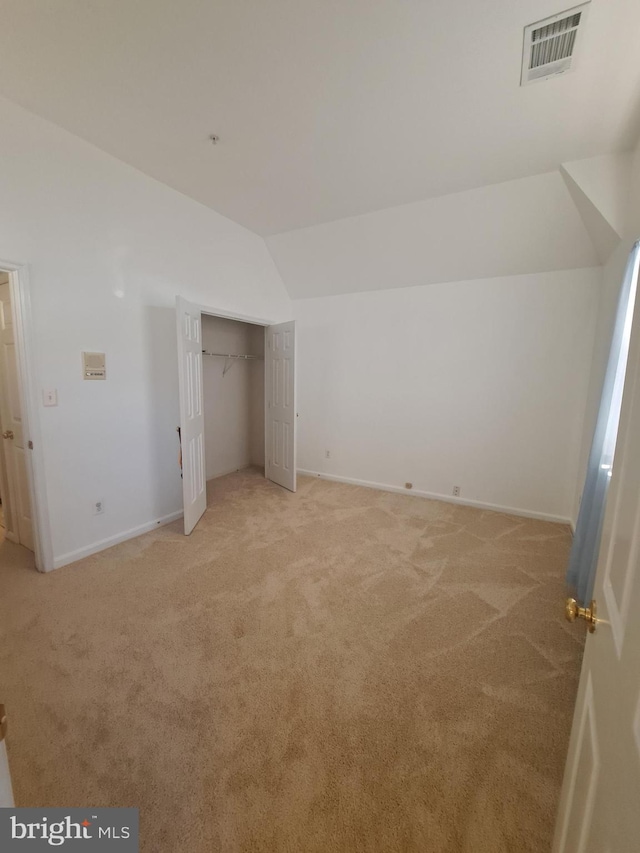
(230, 357)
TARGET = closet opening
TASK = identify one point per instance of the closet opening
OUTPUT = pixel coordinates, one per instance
(233, 392)
(237, 400)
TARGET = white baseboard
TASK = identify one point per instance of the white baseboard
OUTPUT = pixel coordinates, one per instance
(384, 487)
(103, 544)
(233, 470)
(73, 556)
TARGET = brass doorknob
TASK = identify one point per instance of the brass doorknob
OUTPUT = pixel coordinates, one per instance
(8, 433)
(572, 611)
(3, 723)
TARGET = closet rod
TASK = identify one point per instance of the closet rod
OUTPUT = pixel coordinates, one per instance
(229, 355)
(229, 359)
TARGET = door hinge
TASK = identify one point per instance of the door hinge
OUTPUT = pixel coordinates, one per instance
(30, 445)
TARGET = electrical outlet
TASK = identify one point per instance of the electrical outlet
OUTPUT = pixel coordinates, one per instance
(98, 507)
(327, 454)
(456, 491)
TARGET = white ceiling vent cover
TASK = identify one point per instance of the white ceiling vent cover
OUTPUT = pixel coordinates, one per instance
(550, 46)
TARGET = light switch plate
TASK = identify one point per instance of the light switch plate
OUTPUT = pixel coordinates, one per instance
(50, 397)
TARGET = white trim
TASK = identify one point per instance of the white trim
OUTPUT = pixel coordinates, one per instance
(230, 315)
(103, 544)
(21, 306)
(233, 470)
(384, 487)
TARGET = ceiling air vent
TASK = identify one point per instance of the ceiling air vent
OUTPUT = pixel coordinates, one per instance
(550, 46)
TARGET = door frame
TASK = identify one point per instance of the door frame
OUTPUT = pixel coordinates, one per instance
(229, 315)
(25, 362)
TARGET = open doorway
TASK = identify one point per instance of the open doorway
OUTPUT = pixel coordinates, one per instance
(223, 427)
(16, 516)
(233, 386)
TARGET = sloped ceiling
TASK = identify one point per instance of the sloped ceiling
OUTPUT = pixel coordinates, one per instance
(606, 181)
(524, 226)
(600, 186)
(603, 236)
(325, 108)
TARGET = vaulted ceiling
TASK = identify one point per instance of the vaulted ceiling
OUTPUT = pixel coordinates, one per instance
(529, 225)
(325, 108)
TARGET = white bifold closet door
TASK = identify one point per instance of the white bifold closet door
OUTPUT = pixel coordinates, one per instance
(280, 400)
(194, 484)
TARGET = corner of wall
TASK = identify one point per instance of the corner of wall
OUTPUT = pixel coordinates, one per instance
(600, 189)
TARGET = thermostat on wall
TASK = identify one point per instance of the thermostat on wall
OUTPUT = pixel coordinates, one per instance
(93, 364)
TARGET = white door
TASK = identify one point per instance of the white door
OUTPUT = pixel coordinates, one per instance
(6, 791)
(194, 484)
(15, 495)
(280, 404)
(600, 803)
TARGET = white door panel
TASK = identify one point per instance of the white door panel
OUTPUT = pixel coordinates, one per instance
(586, 767)
(280, 463)
(15, 483)
(194, 486)
(6, 791)
(599, 807)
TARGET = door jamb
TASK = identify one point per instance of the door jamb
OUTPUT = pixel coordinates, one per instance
(231, 315)
(25, 361)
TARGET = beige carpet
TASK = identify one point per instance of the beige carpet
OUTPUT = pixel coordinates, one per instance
(336, 670)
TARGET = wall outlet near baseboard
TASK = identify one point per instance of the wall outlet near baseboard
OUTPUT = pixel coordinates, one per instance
(456, 491)
(327, 454)
(98, 507)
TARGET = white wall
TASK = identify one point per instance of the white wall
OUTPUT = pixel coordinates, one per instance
(233, 403)
(108, 249)
(480, 384)
(605, 180)
(256, 376)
